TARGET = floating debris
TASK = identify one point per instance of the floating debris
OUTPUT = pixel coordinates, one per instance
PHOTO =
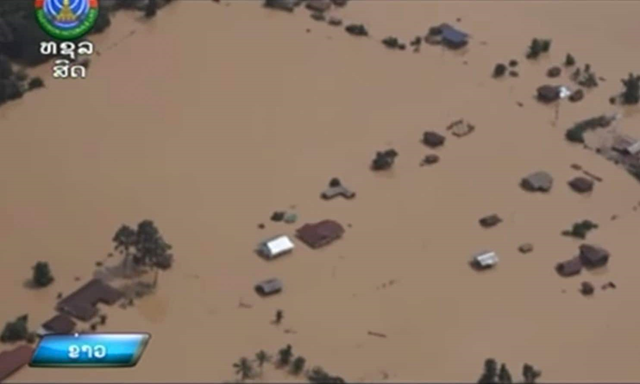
(356, 30)
(430, 159)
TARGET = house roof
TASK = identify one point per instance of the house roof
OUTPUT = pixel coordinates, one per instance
(538, 181)
(569, 267)
(548, 92)
(453, 34)
(593, 254)
(59, 324)
(581, 184)
(486, 258)
(269, 286)
(320, 233)
(13, 360)
(278, 244)
(81, 304)
(332, 192)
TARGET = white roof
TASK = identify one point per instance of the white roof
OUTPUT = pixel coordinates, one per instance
(486, 258)
(277, 245)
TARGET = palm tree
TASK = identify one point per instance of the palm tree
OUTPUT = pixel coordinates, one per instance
(298, 365)
(262, 357)
(244, 368)
(285, 355)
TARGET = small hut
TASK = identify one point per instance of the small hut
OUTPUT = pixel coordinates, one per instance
(274, 247)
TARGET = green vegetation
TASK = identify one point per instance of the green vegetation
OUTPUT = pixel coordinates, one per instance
(285, 355)
(143, 246)
(244, 368)
(318, 375)
(631, 94)
(151, 9)
(262, 357)
(499, 70)
(491, 375)
(16, 330)
(538, 47)
(42, 274)
(575, 134)
(580, 229)
(569, 61)
(298, 365)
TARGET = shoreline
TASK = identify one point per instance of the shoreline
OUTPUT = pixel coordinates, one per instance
(368, 107)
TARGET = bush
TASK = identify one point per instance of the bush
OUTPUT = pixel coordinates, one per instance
(581, 229)
(499, 70)
(545, 46)
(42, 274)
(15, 330)
(298, 365)
(569, 61)
(35, 83)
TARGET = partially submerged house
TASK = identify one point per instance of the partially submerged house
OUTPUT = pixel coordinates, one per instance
(321, 233)
(284, 5)
(11, 361)
(448, 36)
(58, 324)
(626, 145)
(484, 260)
(593, 256)
(490, 221)
(82, 303)
(548, 93)
(275, 246)
(570, 267)
(433, 139)
(537, 182)
(269, 287)
(581, 184)
(340, 190)
(384, 160)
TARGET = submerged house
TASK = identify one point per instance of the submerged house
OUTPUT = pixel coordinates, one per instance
(11, 361)
(274, 247)
(321, 233)
(81, 304)
(593, 256)
(59, 324)
(548, 93)
(570, 267)
(484, 260)
(537, 181)
(626, 145)
(452, 37)
(269, 287)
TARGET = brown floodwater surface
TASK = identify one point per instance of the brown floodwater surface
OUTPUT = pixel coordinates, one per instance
(209, 117)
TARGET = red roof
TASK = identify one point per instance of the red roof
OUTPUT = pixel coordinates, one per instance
(59, 324)
(321, 233)
(81, 304)
(11, 361)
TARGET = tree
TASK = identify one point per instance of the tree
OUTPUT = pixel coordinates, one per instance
(15, 330)
(499, 70)
(243, 368)
(262, 357)
(320, 376)
(6, 70)
(151, 9)
(535, 49)
(631, 94)
(35, 83)
(504, 376)
(42, 274)
(285, 355)
(569, 61)
(489, 376)
(151, 249)
(125, 239)
(545, 45)
(530, 374)
(298, 365)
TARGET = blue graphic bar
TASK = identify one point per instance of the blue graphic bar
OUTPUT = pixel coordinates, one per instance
(90, 350)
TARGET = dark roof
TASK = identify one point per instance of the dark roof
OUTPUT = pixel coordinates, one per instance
(537, 181)
(320, 234)
(59, 324)
(452, 35)
(548, 93)
(269, 286)
(593, 255)
(570, 267)
(433, 139)
(81, 304)
(13, 360)
(581, 184)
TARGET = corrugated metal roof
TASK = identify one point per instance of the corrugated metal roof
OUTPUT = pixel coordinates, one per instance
(277, 246)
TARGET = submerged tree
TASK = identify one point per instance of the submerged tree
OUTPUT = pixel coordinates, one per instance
(125, 241)
(631, 94)
(285, 355)
(143, 246)
(42, 274)
(243, 368)
(262, 357)
(320, 376)
(489, 376)
(298, 365)
(535, 49)
(151, 8)
(530, 374)
(569, 61)
(504, 376)
(16, 330)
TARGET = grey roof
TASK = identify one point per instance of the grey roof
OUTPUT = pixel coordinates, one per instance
(537, 181)
(269, 286)
(452, 34)
(332, 192)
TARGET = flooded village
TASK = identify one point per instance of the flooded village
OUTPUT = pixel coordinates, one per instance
(312, 184)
